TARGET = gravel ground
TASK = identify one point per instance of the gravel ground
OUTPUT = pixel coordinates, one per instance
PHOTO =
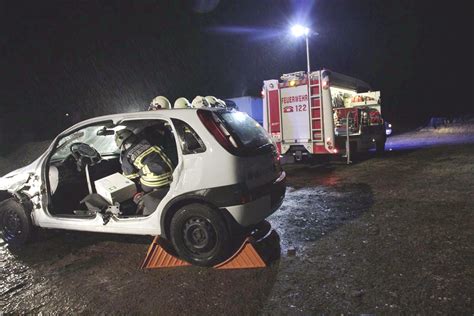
(389, 234)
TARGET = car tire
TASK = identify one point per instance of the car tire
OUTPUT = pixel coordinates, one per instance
(200, 235)
(15, 223)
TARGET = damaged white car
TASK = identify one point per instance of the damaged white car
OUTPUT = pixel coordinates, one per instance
(226, 176)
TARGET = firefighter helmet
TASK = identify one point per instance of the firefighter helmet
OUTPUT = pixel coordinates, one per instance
(199, 102)
(221, 103)
(124, 135)
(182, 103)
(212, 101)
(158, 103)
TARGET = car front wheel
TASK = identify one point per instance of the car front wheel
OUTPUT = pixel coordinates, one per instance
(15, 223)
(200, 236)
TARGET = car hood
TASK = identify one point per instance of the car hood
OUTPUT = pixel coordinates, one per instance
(18, 176)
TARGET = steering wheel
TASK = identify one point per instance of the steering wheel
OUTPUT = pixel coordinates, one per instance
(84, 155)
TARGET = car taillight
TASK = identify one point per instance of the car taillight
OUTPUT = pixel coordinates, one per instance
(215, 127)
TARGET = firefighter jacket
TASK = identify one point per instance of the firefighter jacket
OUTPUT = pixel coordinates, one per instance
(149, 163)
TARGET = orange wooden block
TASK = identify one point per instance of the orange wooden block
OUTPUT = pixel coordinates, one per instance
(244, 258)
(158, 257)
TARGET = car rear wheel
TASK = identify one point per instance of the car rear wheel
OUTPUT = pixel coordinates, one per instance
(200, 236)
(15, 223)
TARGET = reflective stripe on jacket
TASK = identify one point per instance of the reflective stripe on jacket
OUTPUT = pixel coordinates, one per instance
(152, 165)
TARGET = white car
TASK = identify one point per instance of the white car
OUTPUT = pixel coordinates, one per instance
(226, 178)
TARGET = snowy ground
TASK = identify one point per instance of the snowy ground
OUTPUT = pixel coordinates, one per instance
(461, 133)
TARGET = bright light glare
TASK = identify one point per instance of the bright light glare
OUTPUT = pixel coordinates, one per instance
(240, 117)
(299, 30)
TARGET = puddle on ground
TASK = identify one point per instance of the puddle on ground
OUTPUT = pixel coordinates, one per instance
(307, 214)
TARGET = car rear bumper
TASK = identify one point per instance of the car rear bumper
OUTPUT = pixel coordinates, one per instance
(268, 199)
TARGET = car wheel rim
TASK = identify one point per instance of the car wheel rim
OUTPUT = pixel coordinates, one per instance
(199, 235)
(12, 227)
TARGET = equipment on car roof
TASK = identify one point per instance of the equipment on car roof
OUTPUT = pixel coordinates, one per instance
(212, 101)
(199, 102)
(221, 103)
(182, 103)
(159, 103)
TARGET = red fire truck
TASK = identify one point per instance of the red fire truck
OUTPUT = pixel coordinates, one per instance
(318, 116)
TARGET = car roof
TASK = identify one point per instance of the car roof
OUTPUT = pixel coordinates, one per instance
(183, 114)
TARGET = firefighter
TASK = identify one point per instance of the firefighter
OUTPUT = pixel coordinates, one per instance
(199, 102)
(159, 103)
(140, 160)
(182, 103)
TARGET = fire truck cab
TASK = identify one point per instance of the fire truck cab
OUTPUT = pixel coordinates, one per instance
(319, 115)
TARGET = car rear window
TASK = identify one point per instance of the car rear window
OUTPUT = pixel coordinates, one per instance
(246, 130)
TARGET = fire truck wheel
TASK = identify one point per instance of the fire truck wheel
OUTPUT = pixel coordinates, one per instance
(200, 236)
(380, 146)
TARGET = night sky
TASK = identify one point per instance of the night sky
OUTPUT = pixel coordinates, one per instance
(89, 58)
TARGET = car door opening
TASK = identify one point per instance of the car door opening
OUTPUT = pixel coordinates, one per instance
(89, 175)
